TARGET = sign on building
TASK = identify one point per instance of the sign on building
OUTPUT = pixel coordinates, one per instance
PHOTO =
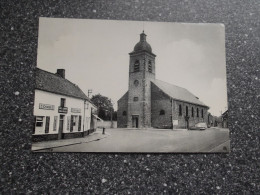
(175, 122)
(46, 106)
(76, 110)
(63, 110)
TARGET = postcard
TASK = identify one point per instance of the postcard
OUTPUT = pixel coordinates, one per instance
(114, 86)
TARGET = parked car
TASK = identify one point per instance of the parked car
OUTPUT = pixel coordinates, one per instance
(199, 126)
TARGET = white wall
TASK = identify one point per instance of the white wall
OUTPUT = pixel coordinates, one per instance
(54, 99)
(106, 124)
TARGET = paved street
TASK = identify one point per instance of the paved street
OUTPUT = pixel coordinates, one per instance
(155, 140)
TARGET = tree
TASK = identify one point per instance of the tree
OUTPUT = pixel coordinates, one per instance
(104, 106)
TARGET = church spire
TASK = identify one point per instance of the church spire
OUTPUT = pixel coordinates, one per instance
(142, 37)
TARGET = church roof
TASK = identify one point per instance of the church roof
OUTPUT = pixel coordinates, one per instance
(54, 83)
(178, 93)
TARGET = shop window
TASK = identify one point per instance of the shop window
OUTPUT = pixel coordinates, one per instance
(68, 123)
(162, 112)
(192, 112)
(180, 110)
(62, 102)
(150, 66)
(135, 99)
(202, 114)
(73, 122)
(137, 66)
(39, 121)
(187, 111)
(197, 112)
(124, 113)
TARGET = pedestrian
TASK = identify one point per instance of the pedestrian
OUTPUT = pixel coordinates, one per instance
(103, 130)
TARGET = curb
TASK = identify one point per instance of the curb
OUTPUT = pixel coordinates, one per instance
(71, 143)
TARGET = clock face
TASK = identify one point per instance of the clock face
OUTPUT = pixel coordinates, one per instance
(136, 83)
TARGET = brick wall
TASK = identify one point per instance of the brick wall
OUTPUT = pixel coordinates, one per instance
(161, 101)
(192, 119)
(122, 106)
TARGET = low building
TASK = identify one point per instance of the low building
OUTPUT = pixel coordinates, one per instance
(224, 119)
(61, 109)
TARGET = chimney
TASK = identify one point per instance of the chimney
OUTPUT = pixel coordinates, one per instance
(61, 73)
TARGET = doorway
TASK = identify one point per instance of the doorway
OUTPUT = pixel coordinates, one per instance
(61, 124)
(135, 121)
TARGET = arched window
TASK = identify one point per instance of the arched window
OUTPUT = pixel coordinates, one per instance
(135, 99)
(150, 66)
(192, 112)
(124, 113)
(197, 112)
(180, 110)
(202, 116)
(187, 111)
(162, 112)
(137, 66)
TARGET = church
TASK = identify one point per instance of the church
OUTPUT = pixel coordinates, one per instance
(151, 103)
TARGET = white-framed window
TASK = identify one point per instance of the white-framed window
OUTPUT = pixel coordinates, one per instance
(74, 123)
(39, 121)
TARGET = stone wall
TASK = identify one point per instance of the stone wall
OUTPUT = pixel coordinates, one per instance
(161, 101)
(122, 106)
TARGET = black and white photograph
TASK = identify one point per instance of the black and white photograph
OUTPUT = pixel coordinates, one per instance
(113, 86)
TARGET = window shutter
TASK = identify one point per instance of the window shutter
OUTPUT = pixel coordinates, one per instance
(47, 124)
(34, 124)
(68, 123)
(79, 122)
(71, 124)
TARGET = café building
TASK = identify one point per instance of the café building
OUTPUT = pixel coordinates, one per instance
(61, 109)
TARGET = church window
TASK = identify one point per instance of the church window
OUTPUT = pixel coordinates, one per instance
(136, 83)
(124, 113)
(162, 112)
(137, 66)
(135, 99)
(150, 66)
(197, 112)
(187, 111)
(202, 113)
(192, 112)
(180, 110)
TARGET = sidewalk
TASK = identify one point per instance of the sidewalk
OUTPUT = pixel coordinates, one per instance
(154, 129)
(37, 146)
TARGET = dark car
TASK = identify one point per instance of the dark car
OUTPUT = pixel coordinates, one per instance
(199, 126)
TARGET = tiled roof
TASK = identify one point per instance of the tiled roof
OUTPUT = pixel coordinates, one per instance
(178, 93)
(54, 83)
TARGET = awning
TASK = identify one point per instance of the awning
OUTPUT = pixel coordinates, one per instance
(97, 117)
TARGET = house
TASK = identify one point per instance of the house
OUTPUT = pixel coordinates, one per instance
(61, 108)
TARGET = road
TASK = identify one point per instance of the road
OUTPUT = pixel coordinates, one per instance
(156, 141)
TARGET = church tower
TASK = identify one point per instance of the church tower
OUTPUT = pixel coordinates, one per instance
(141, 73)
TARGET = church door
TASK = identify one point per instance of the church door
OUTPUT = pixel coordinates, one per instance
(135, 121)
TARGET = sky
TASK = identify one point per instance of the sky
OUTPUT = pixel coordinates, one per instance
(95, 55)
